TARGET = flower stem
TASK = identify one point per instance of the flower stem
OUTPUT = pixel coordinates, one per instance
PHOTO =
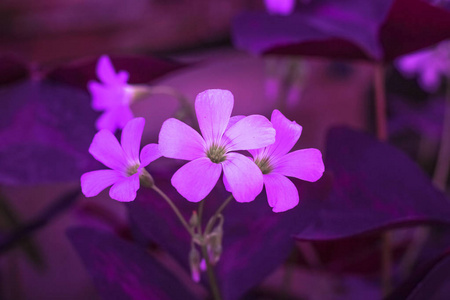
(174, 208)
(213, 219)
(381, 129)
(211, 276)
(441, 171)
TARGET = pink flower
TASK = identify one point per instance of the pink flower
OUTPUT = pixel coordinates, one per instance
(280, 7)
(113, 96)
(429, 64)
(276, 163)
(211, 152)
(124, 160)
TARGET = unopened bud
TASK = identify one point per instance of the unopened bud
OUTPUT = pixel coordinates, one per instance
(214, 244)
(194, 220)
(194, 263)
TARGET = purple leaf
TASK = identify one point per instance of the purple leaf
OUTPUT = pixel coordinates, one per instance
(122, 270)
(142, 69)
(372, 186)
(46, 130)
(432, 282)
(256, 240)
(350, 29)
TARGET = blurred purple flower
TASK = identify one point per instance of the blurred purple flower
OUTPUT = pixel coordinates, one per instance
(209, 153)
(276, 163)
(124, 160)
(280, 7)
(113, 96)
(429, 64)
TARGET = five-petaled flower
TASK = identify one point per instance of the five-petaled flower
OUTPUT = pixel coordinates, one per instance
(276, 163)
(124, 160)
(113, 96)
(211, 152)
(430, 64)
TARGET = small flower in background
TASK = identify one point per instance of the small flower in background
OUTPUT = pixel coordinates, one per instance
(124, 160)
(112, 95)
(280, 7)
(429, 64)
(276, 163)
(210, 153)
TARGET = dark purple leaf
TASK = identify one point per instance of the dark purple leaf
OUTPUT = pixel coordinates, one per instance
(432, 282)
(349, 29)
(256, 240)
(372, 186)
(46, 130)
(142, 69)
(122, 270)
(12, 69)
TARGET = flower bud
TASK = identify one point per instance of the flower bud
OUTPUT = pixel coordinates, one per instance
(194, 263)
(146, 179)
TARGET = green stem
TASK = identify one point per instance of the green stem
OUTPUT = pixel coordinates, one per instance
(213, 219)
(381, 126)
(211, 276)
(442, 168)
(175, 209)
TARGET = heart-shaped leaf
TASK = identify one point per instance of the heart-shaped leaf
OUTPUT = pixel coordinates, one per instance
(122, 270)
(372, 186)
(46, 130)
(350, 29)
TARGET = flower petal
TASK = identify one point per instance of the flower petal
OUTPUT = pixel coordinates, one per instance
(288, 133)
(234, 120)
(115, 118)
(305, 164)
(106, 149)
(131, 139)
(178, 140)
(107, 74)
(92, 183)
(149, 153)
(213, 108)
(125, 189)
(196, 179)
(242, 177)
(281, 192)
(251, 132)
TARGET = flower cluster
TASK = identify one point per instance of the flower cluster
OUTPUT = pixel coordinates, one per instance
(210, 154)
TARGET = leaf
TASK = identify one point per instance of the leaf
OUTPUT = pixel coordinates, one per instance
(371, 186)
(256, 240)
(46, 130)
(431, 282)
(122, 270)
(350, 29)
(142, 69)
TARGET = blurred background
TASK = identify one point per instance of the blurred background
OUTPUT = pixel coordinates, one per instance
(50, 33)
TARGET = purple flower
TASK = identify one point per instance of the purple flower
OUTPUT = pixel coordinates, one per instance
(280, 7)
(124, 160)
(210, 153)
(429, 64)
(276, 163)
(113, 96)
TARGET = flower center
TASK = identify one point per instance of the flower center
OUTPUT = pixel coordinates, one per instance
(132, 170)
(264, 165)
(216, 154)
